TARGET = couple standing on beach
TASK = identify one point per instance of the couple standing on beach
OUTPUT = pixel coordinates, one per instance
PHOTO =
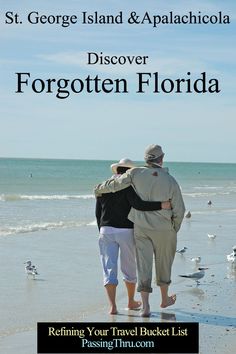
(139, 212)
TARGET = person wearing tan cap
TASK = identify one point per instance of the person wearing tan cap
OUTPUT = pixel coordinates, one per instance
(116, 236)
(155, 232)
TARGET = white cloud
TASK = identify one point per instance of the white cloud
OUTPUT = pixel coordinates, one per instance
(164, 64)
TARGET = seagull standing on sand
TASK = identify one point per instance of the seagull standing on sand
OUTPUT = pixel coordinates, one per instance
(232, 257)
(188, 215)
(30, 269)
(182, 250)
(196, 275)
(196, 259)
(212, 237)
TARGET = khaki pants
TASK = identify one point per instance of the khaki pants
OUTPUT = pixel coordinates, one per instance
(161, 244)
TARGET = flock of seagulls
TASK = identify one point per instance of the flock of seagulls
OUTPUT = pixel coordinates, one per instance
(231, 258)
(200, 273)
(195, 275)
(188, 215)
(30, 269)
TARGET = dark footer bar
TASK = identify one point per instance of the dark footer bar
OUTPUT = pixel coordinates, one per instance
(117, 337)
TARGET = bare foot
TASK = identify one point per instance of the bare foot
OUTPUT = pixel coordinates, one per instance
(145, 312)
(134, 305)
(113, 310)
(170, 301)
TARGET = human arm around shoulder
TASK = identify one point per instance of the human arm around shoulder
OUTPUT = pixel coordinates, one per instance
(114, 184)
(137, 203)
(98, 211)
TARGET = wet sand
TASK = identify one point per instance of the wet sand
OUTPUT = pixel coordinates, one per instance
(217, 327)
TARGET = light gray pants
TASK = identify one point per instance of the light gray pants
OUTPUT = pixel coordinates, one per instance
(161, 244)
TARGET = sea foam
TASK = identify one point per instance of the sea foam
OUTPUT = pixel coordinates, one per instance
(17, 197)
(42, 226)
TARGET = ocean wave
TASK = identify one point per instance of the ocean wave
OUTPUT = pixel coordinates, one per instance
(207, 187)
(17, 197)
(205, 194)
(92, 223)
(211, 211)
(43, 226)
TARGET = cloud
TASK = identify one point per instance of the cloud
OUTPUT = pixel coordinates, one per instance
(163, 63)
(65, 58)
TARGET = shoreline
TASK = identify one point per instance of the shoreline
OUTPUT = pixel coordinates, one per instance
(57, 294)
(204, 304)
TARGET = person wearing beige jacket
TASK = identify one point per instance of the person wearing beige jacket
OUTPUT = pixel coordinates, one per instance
(155, 232)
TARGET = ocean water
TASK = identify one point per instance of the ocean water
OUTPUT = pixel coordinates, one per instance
(37, 194)
(47, 215)
(47, 194)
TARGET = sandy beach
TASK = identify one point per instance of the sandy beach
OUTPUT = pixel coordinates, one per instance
(49, 219)
(69, 288)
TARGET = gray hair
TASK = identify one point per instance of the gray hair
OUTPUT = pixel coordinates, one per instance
(154, 161)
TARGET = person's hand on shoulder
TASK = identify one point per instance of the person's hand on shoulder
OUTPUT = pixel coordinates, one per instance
(166, 205)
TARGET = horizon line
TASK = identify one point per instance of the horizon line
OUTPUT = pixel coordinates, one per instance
(93, 159)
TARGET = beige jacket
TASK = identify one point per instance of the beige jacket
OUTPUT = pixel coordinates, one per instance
(151, 184)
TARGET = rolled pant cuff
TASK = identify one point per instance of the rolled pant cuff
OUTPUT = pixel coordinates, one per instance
(130, 281)
(159, 283)
(110, 283)
(144, 288)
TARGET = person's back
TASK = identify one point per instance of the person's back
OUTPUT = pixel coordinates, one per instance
(116, 235)
(114, 209)
(155, 183)
(155, 232)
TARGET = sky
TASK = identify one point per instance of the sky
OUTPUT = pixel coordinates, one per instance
(190, 127)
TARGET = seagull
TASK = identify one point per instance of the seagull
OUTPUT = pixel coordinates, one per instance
(196, 259)
(188, 215)
(209, 202)
(182, 250)
(196, 275)
(232, 256)
(211, 236)
(30, 269)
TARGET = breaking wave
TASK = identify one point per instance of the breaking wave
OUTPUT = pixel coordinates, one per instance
(205, 194)
(43, 226)
(17, 197)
